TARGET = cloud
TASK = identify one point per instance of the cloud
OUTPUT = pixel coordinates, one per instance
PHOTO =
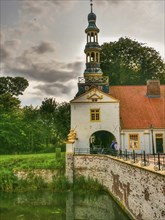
(108, 2)
(4, 54)
(54, 89)
(45, 72)
(34, 63)
(8, 49)
(134, 19)
(43, 47)
(32, 25)
(39, 7)
(47, 76)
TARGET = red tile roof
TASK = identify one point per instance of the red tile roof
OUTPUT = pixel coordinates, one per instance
(137, 110)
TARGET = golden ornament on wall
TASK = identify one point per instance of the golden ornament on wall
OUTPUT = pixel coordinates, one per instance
(71, 136)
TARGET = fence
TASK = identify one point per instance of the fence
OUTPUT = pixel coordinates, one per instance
(157, 161)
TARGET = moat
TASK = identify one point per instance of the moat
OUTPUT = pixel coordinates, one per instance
(59, 206)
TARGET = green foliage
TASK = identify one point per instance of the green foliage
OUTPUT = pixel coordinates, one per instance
(56, 121)
(62, 119)
(11, 132)
(8, 103)
(34, 182)
(87, 184)
(11, 164)
(30, 129)
(128, 62)
(58, 153)
(60, 184)
(14, 86)
(8, 181)
(33, 161)
(48, 107)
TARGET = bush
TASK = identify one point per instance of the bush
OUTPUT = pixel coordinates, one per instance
(8, 181)
(58, 153)
(87, 184)
(60, 184)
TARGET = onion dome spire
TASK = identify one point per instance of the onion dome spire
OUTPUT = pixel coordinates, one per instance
(92, 48)
(91, 6)
(93, 75)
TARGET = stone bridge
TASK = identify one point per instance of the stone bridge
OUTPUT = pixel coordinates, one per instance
(141, 192)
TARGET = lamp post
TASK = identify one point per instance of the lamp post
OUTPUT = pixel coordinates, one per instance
(152, 136)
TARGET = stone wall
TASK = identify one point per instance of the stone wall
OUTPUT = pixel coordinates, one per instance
(46, 175)
(140, 191)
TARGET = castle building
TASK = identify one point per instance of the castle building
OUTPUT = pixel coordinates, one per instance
(134, 116)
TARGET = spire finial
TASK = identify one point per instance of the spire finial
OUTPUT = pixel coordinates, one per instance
(91, 5)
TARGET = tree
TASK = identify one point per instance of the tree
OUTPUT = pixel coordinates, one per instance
(12, 136)
(56, 119)
(128, 62)
(48, 106)
(8, 102)
(63, 119)
(48, 114)
(13, 85)
(32, 127)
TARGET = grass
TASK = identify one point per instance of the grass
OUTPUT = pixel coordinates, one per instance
(11, 163)
(9, 182)
(32, 161)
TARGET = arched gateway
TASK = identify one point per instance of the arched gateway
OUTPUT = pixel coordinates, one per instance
(101, 139)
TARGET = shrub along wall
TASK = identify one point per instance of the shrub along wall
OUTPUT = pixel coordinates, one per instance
(141, 192)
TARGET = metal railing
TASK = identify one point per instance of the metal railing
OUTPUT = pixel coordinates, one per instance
(156, 161)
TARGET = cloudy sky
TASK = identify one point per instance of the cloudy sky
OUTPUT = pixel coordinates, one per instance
(44, 40)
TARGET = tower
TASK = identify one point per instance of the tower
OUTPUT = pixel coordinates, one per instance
(93, 75)
(92, 108)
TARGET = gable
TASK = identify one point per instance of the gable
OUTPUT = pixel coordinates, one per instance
(94, 95)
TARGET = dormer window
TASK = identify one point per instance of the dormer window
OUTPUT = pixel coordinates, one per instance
(94, 100)
(100, 87)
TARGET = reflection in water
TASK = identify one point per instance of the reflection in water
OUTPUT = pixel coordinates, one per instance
(59, 206)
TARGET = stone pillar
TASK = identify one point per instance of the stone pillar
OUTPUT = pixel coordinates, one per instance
(69, 147)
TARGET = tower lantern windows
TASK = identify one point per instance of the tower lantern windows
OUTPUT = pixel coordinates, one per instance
(92, 57)
(88, 58)
(92, 48)
(92, 37)
(95, 37)
(97, 58)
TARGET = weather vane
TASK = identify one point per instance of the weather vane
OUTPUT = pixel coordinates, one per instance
(91, 4)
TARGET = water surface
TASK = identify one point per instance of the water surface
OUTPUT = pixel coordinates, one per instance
(59, 206)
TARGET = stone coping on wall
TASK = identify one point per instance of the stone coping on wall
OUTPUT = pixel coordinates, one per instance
(149, 168)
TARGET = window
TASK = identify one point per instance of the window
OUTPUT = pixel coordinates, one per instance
(134, 142)
(94, 100)
(95, 114)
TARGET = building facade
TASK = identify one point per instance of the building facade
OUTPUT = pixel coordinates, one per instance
(134, 116)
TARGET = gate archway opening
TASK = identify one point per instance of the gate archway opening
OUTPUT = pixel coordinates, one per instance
(101, 139)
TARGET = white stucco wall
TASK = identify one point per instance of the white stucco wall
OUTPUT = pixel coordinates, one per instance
(80, 121)
(109, 121)
(145, 139)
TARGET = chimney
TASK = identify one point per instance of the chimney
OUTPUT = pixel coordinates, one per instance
(153, 88)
